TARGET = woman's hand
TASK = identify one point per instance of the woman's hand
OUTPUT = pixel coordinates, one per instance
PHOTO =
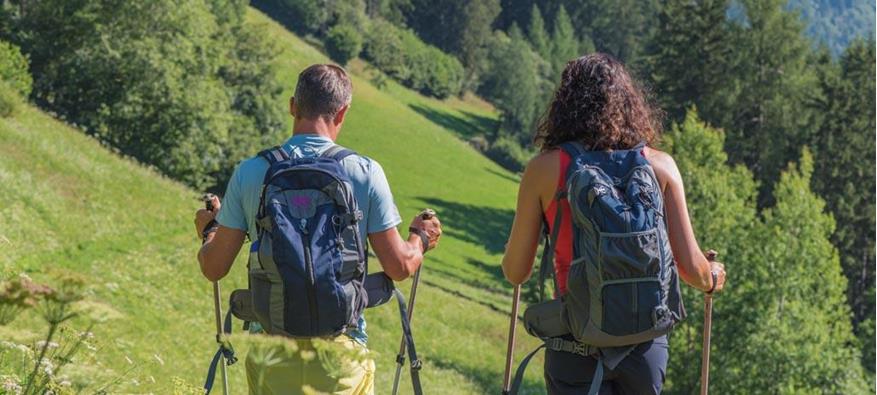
(718, 269)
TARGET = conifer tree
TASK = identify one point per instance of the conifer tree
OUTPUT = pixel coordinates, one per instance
(537, 35)
(689, 59)
(564, 46)
(844, 149)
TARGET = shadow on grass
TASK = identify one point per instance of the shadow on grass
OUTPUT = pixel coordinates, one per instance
(281, 15)
(462, 295)
(465, 126)
(480, 225)
(513, 178)
(489, 381)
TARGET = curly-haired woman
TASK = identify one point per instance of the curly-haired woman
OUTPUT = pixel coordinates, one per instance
(601, 108)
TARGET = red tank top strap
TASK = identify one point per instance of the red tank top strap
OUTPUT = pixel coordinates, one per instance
(563, 246)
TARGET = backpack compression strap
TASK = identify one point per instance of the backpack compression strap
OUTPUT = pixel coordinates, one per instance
(558, 344)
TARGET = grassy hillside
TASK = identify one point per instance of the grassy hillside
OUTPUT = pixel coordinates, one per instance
(69, 203)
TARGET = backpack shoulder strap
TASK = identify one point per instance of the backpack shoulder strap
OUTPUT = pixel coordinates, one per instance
(573, 148)
(337, 152)
(274, 155)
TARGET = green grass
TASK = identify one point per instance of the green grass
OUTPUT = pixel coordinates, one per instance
(70, 203)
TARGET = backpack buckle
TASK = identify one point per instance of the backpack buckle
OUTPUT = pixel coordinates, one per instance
(580, 349)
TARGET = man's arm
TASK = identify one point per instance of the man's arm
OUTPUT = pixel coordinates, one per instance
(399, 258)
(219, 252)
(220, 248)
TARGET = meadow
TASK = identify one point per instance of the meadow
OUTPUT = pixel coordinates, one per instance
(74, 205)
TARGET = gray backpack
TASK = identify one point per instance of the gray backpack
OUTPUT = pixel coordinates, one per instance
(623, 285)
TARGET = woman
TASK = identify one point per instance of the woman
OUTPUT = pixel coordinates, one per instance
(600, 106)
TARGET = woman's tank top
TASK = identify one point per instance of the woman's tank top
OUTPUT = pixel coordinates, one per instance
(563, 247)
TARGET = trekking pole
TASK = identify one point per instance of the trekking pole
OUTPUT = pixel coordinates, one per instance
(400, 358)
(217, 309)
(707, 329)
(513, 324)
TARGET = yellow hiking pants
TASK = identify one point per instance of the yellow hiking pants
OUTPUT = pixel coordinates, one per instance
(308, 371)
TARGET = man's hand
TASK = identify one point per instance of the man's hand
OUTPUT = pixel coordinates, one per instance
(428, 222)
(203, 216)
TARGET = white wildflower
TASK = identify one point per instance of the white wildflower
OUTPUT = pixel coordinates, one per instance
(65, 383)
(135, 382)
(157, 358)
(10, 385)
(48, 367)
(42, 343)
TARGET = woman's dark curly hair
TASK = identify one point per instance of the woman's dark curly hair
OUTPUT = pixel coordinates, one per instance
(599, 105)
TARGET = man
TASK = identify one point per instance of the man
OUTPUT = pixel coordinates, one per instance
(319, 106)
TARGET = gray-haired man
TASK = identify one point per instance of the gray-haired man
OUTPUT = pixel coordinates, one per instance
(322, 98)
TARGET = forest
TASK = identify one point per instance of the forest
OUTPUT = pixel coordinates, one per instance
(768, 109)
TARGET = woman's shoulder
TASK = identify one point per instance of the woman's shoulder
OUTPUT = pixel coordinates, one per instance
(663, 164)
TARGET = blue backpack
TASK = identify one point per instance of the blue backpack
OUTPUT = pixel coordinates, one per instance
(308, 266)
(623, 284)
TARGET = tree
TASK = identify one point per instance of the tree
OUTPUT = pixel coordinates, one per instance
(564, 45)
(617, 27)
(690, 57)
(537, 35)
(511, 59)
(462, 28)
(784, 323)
(844, 148)
(769, 123)
(163, 82)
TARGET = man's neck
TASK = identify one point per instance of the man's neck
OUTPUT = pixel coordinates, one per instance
(318, 127)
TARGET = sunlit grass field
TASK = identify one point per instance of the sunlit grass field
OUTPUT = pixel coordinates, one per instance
(68, 203)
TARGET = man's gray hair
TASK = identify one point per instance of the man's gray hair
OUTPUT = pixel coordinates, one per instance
(322, 91)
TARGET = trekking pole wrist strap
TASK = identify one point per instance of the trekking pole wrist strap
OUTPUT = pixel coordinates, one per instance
(715, 277)
(424, 237)
(211, 227)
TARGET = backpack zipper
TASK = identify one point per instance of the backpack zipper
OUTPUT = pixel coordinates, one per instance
(309, 266)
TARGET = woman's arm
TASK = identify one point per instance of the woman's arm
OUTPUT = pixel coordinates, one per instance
(694, 268)
(539, 178)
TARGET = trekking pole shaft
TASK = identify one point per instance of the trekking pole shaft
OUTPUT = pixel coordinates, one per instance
(217, 312)
(707, 329)
(411, 297)
(513, 324)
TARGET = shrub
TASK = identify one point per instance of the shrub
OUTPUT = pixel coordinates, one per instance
(14, 69)
(403, 56)
(343, 43)
(509, 154)
(9, 100)
(168, 83)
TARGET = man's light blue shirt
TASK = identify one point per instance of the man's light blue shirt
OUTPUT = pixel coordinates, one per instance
(370, 188)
